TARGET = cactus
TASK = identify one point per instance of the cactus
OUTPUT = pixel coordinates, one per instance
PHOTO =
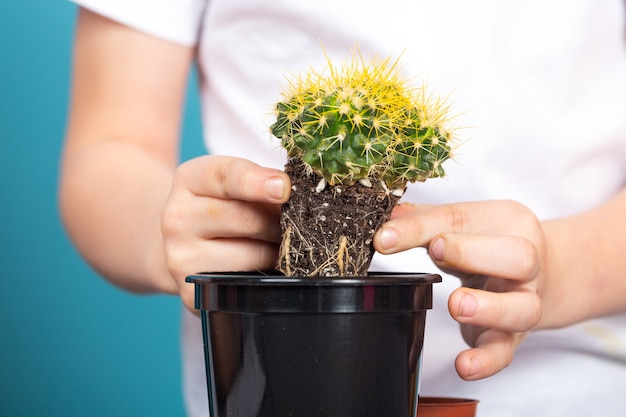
(362, 126)
(363, 122)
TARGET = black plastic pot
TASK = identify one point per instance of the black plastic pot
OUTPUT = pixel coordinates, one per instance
(281, 346)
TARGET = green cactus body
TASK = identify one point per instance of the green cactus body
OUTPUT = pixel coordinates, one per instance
(363, 122)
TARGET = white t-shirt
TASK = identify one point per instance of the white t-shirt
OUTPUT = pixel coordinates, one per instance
(541, 87)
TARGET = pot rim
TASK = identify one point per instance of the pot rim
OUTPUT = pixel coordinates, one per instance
(255, 292)
(253, 278)
(435, 401)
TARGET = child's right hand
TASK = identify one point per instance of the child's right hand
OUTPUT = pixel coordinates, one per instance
(222, 215)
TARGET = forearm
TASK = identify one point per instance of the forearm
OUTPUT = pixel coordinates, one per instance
(120, 152)
(587, 254)
(112, 194)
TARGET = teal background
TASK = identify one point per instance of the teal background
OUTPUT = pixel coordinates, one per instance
(70, 343)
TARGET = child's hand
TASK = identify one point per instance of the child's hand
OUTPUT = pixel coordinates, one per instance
(498, 250)
(222, 215)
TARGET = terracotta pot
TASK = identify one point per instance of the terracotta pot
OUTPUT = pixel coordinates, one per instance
(446, 407)
(322, 347)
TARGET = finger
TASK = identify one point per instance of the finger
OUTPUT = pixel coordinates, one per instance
(215, 218)
(221, 255)
(415, 226)
(493, 352)
(234, 179)
(505, 256)
(518, 311)
(240, 219)
(227, 255)
(404, 209)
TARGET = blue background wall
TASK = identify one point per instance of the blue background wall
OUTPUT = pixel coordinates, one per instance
(70, 344)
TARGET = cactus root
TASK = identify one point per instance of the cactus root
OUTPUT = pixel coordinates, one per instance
(330, 232)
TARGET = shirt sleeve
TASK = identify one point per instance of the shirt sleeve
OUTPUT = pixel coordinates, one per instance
(173, 20)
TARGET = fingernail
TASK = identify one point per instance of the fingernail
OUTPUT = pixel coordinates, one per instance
(275, 188)
(388, 238)
(475, 367)
(436, 249)
(469, 306)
